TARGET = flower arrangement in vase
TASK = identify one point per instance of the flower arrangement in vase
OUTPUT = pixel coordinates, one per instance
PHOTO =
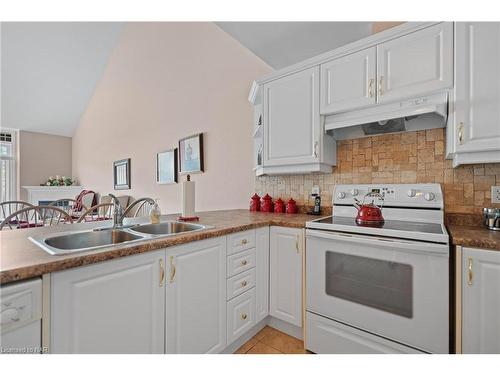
(59, 181)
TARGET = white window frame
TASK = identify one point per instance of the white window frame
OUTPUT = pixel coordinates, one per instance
(14, 182)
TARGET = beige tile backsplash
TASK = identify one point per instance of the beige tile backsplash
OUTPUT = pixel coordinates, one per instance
(411, 157)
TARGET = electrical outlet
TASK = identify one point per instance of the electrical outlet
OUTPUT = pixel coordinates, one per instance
(495, 194)
(315, 190)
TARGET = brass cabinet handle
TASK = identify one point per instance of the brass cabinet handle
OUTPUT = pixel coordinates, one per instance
(244, 283)
(162, 272)
(297, 244)
(172, 269)
(244, 241)
(380, 82)
(244, 316)
(461, 133)
(316, 149)
(244, 262)
(370, 87)
(470, 274)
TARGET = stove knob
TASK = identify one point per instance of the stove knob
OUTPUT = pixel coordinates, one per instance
(354, 192)
(429, 196)
(412, 193)
(341, 195)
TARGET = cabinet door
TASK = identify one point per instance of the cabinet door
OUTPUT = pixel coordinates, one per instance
(291, 119)
(196, 297)
(415, 64)
(477, 87)
(286, 274)
(481, 301)
(111, 307)
(262, 271)
(349, 82)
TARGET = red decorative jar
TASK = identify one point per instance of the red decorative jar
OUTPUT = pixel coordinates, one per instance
(279, 206)
(255, 203)
(291, 207)
(267, 204)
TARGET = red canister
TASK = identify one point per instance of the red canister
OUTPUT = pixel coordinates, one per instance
(279, 206)
(255, 203)
(291, 207)
(267, 204)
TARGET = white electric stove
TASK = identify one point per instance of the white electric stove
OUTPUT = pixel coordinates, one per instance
(379, 289)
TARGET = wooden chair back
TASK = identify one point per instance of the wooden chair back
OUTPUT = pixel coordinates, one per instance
(35, 216)
(69, 205)
(99, 212)
(7, 208)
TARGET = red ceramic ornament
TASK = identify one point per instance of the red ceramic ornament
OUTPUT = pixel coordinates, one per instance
(267, 204)
(291, 207)
(255, 203)
(279, 206)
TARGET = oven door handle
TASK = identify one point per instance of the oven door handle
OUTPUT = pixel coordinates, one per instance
(402, 245)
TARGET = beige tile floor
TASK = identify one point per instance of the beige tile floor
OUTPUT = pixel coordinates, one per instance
(271, 341)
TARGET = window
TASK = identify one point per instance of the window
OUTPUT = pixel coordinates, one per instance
(8, 172)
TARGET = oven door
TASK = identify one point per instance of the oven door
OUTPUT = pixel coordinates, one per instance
(394, 288)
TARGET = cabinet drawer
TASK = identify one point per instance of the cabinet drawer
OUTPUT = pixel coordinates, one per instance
(237, 242)
(325, 336)
(240, 283)
(240, 315)
(21, 303)
(240, 262)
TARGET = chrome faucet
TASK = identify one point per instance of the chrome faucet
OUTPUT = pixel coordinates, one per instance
(119, 214)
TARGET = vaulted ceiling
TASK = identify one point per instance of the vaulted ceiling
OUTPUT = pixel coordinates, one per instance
(49, 70)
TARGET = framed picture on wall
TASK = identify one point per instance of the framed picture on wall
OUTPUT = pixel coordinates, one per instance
(121, 174)
(166, 167)
(191, 154)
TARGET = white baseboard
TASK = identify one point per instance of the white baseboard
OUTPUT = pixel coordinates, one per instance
(235, 345)
(285, 327)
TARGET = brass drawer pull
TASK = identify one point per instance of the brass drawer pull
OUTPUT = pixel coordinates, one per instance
(244, 283)
(461, 133)
(370, 88)
(244, 316)
(244, 262)
(172, 269)
(380, 83)
(244, 241)
(162, 272)
(470, 274)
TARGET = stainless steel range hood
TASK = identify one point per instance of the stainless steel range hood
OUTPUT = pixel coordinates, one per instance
(426, 112)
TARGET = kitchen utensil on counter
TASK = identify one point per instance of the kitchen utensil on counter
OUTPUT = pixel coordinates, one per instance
(491, 218)
(188, 203)
(267, 204)
(279, 206)
(291, 207)
(255, 203)
(369, 214)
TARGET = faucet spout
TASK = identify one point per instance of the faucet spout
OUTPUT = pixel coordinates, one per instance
(118, 214)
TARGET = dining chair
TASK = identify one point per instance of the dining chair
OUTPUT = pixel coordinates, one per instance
(71, 206)
(7, 208)
(142, 209)
(99, 212)
(35, 216)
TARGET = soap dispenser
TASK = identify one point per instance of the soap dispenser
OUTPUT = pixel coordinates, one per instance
(155, 213)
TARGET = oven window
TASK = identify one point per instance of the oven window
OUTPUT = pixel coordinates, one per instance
(380, 284)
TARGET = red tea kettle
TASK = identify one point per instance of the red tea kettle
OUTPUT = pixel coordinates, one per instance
(369, 214)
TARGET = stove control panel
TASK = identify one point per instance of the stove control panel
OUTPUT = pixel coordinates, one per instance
(396, 195)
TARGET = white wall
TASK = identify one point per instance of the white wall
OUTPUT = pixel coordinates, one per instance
(165, 81)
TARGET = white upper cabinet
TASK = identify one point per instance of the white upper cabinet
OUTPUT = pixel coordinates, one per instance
(481, 301)
(291, 123)
(285, 292)
(415, 64)
(349, 82)
(111, 307)
(196, 297)
(474, 136)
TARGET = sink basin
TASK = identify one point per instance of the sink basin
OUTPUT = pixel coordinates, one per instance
(167, 228)
(84, 241)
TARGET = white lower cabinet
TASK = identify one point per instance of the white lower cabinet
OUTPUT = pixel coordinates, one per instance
(286, 274)
(111, 307)
(196, 297)
(262, 272)
(240, 315)
(480, 301)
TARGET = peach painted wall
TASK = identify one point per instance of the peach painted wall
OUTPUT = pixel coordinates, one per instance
(165, 81)
(41, 156)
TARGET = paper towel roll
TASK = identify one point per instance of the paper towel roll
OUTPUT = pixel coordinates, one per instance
(188, 199)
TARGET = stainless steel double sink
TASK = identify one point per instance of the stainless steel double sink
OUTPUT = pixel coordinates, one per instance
(87, 240)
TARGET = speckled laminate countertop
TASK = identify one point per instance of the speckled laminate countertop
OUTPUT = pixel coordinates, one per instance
(474, 236)
(21, 259)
